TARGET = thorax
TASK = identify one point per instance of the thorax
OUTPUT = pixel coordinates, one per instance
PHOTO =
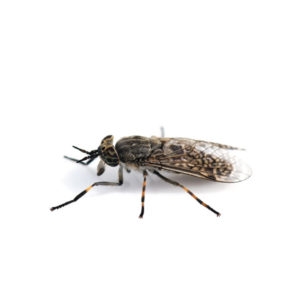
(133, 149)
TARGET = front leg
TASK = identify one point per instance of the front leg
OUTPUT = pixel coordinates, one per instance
(90, 153)
(120, 182)
(80, 162)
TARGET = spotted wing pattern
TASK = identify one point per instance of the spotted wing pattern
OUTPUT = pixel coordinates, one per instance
(199, 158)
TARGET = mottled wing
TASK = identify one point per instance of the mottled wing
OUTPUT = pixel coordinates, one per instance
(199, 158)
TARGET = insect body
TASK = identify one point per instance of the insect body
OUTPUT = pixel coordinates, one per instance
(202, 159)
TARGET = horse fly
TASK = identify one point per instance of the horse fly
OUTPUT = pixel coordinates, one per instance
(206, 160)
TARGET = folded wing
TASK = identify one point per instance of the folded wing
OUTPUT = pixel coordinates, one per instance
(199, 158)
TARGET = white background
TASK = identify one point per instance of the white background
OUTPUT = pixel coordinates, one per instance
(73, 72)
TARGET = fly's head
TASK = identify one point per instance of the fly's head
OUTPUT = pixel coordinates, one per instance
(108, 154)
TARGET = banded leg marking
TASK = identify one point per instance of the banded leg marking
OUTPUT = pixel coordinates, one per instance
(187, 190)
(143, 194)
(120, 182)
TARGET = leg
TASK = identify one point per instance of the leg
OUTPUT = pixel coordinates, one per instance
(120, 182)
(187, 190)
(80, 160)
(143, 193)
(162, 131)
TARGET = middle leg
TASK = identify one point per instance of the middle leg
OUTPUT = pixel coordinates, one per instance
(143, 194)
